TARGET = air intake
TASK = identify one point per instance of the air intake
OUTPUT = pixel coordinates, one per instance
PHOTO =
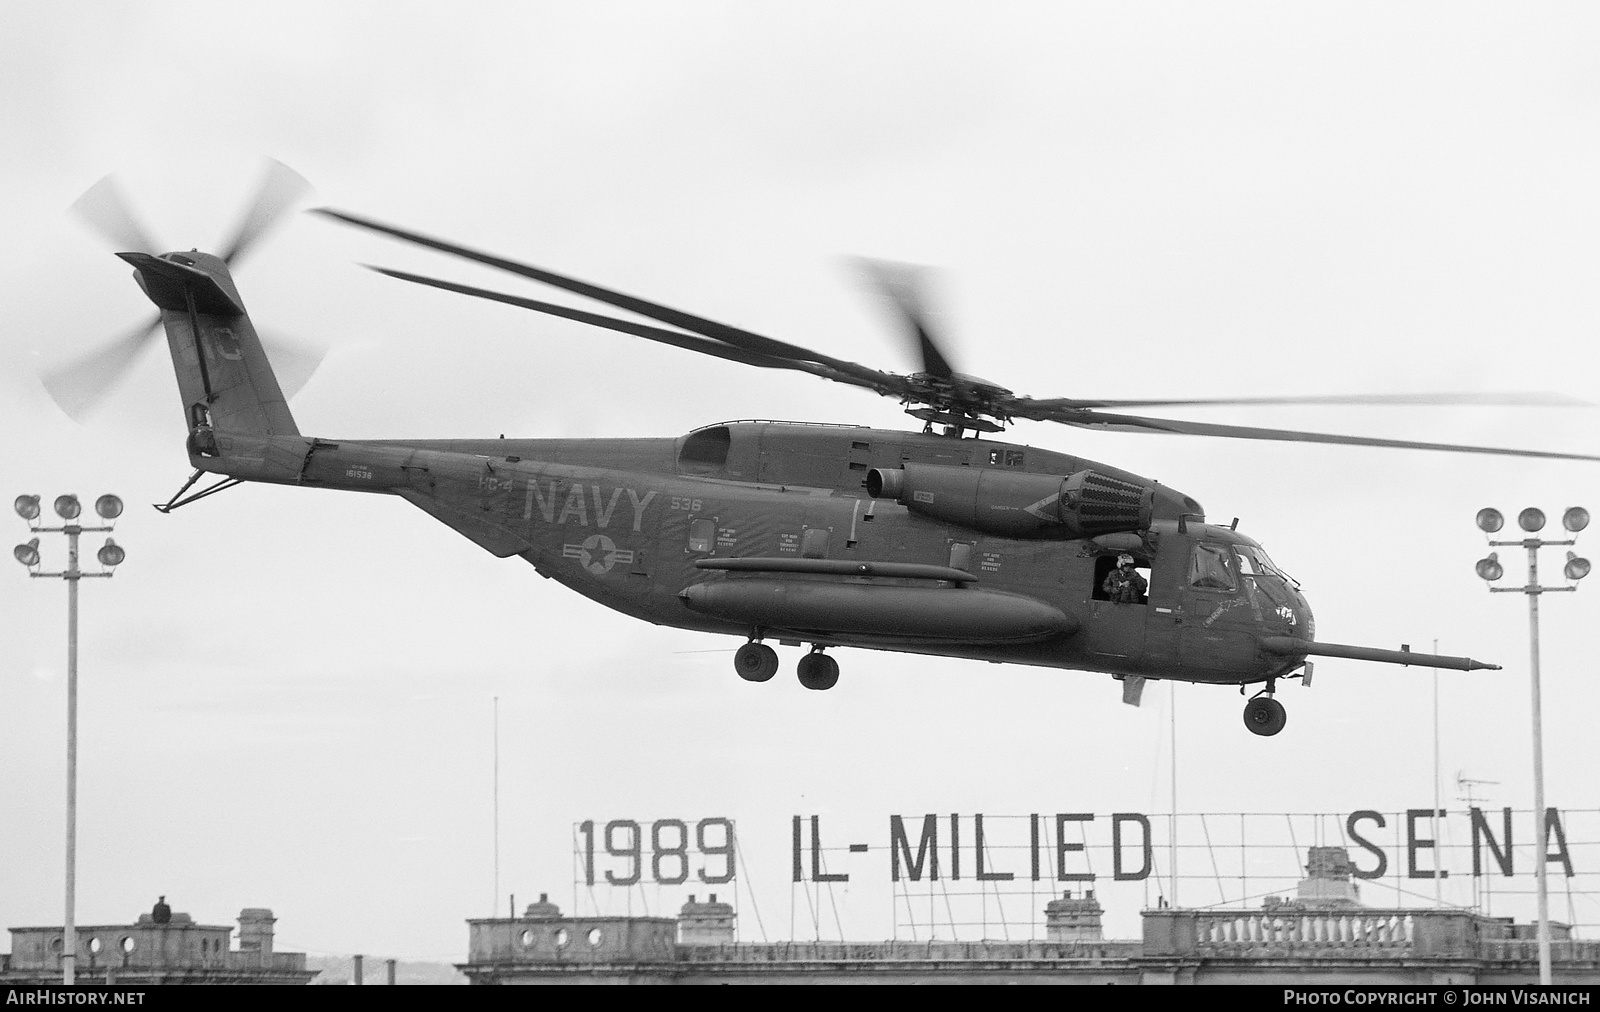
(1097, 504)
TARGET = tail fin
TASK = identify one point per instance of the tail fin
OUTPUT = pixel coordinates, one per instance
(224, 378)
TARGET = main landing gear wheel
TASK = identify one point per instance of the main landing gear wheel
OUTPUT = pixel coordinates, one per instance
(755, 662)
(818, 671)
(1264, 715)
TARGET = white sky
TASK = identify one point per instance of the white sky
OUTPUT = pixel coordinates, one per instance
(286, 695)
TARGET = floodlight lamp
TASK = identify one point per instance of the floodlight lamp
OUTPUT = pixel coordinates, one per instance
(111, 554)
(1490, 520)
(110, 507)
(68, 507)
(27, 554)
(1490, 569)
(27, 507)
(1575, 519)
(1531, 519)
(1576, 568)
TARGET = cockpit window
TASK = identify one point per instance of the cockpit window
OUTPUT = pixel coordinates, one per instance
(1211, 568)
(1247, 564)
(1255, 561)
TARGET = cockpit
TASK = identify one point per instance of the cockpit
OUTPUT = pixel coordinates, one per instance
(1235, 567)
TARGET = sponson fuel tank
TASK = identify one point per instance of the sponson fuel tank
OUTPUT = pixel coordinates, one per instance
(966, 615)
(1017, 504)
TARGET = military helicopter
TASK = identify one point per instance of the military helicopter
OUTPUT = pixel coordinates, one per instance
(948, 542)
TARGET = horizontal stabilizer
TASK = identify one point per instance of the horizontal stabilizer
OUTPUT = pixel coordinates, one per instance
(166, 282)
(1290, 645)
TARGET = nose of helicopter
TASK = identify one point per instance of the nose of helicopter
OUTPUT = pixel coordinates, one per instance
(1290, 621)
(1301, 624)
(1307, 626)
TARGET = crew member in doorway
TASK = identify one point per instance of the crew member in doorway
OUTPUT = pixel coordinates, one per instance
(1124, 585)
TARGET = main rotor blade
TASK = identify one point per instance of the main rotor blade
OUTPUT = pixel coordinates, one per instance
(79, 385)
(280, 188)
(677, 339)
(901, 284)
(1523, 399)
(103, 208)
(1139, 423)
(734, 336)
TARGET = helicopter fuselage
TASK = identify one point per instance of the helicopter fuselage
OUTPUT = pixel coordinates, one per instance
(767, 530)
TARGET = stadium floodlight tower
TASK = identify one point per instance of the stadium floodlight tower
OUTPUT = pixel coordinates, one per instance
(1531, 520)
(67, 507)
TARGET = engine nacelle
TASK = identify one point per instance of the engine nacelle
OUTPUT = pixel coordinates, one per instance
(1016, 504)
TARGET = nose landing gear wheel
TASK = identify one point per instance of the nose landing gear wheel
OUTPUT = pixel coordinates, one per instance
(1264, 715)
(755, 662)
(818, 671)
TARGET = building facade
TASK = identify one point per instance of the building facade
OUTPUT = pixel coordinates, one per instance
(161, 947)
(1320, 936)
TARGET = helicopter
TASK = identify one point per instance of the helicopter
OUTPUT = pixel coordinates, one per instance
(945, 541)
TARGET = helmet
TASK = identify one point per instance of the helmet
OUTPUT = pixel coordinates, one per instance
(1124, 559)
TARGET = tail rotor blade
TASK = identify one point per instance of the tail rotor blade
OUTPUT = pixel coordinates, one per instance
(78, 386)
(280, 189)
(294, 362)
(103, 208)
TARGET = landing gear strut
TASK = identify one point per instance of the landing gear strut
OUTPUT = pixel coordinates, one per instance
(1264, 715)
(755, 662)
(817, 670)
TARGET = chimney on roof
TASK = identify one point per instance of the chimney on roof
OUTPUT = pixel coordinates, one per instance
(1073, 920)
(543, 910)
(708, 923)
(255, 930)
